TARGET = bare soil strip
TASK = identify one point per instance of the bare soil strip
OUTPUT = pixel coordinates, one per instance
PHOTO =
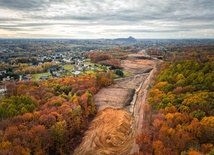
(110, 133)
(115, 127)
(119, 95)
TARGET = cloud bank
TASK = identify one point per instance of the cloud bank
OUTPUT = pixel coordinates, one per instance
(106, 18)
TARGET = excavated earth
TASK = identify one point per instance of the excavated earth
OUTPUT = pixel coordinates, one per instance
(115, 127)
(119, 95)
(110, 133)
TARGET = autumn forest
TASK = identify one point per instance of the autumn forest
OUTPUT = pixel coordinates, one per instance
(179, 116)
(50, 117)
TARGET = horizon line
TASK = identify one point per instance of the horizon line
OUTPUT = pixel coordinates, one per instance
(108, 38)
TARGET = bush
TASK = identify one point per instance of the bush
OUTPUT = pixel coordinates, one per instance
(119, 72)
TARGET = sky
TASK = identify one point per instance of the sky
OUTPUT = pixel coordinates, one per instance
(94, 19)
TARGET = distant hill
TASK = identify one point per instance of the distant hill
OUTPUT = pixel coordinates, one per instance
(129, 39)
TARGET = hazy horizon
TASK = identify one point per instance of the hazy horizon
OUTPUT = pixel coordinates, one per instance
(108, 19)
(108, 38)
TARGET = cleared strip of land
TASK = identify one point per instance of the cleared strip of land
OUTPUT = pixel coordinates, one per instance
(115, 127)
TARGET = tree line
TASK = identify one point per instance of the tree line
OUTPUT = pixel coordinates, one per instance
(48, 117)
(179, 116)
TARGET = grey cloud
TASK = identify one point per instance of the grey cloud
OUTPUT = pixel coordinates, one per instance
(24, 25)
(2, 20)
(17, 28)
(155, 31)
(34, 5)
(22, 4)
(29, 5)
(166, 10)
(10, 28)
(142, 10)
(156, 15)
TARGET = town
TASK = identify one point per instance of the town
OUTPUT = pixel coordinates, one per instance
(35, 59)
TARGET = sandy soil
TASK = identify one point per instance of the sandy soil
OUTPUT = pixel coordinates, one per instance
(112, 134)
(113, 97)
(120, 94)
(138, 66)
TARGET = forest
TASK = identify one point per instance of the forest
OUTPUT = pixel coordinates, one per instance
(48, 117)
(111, 58)
(179, 115)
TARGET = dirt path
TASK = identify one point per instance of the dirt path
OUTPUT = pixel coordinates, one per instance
(138, 110)
(117, 124)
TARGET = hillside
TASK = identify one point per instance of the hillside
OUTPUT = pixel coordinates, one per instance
(128, 40)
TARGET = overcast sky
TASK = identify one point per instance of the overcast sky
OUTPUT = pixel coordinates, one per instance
(106, 18)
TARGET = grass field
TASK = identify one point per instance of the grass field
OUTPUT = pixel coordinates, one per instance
(89, 72)
(37, 76)
(126, 74)
(68, 67)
